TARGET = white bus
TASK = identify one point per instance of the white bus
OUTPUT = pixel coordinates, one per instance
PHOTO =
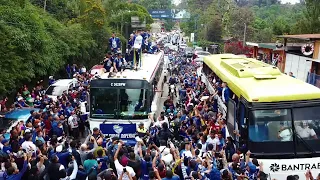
(119, 103)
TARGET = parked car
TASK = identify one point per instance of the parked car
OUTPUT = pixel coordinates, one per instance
(197, 48)
(199, 55)
(61, 85)
(12, 118)
(188, 52)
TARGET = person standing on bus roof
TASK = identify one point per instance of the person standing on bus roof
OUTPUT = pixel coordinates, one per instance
(114, 43)
(138, 40)
(225, 92)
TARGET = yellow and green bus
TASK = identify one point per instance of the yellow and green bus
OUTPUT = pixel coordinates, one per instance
(277, 116)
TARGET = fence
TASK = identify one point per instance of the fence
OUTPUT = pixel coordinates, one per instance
(313, 79)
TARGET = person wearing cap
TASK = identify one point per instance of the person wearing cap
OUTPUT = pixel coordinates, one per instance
(6, 146)
(122, 166)
(21, 103)
(142, 131)
(114, 43)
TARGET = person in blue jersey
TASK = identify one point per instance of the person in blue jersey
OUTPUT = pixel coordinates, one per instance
(6, 146)
(120, 63)
(225, 92)
(103, 160)
(108, 63)
(13, 173)
(114, 43)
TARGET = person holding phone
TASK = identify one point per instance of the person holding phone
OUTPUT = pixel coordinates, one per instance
(122, 167)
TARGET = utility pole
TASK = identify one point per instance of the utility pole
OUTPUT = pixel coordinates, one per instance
(45, 5)
(244, 34)
(121, 23)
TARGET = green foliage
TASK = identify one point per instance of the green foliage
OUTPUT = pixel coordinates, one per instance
(34, 44)
(263, 20)
(310, 20)
(38, 42)
(155, 4)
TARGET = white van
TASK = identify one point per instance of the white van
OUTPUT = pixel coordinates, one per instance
(61, 85)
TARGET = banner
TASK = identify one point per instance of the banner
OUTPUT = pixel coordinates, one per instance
(123, 131)
(169, 14)
(160, 13)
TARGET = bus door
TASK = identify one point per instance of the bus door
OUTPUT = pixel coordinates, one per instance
(231, 119)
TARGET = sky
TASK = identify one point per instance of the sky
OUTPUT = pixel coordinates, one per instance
(282, 1)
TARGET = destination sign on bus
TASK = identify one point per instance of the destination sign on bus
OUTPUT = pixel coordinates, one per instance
(118, 84)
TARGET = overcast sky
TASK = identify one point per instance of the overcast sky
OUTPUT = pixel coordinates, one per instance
(282, 1)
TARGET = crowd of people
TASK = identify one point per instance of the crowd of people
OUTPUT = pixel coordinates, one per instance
(187, 141)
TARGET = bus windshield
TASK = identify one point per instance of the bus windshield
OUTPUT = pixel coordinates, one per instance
(281, 125)
(133, 104)
(103, 103)
(119, 103)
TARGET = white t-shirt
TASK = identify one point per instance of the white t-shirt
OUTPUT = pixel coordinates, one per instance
(186, 154)
(159, 123)
(138, 42)
(119, 168)
(305, 132)
(73, 122)
(83, 69)
(29, 146)
(285, 135)
(214, 142)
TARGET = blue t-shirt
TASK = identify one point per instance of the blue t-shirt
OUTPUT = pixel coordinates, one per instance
(103, 161)
(145, 168)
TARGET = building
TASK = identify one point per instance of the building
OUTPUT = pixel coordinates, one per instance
(272, 53)
(303, 61)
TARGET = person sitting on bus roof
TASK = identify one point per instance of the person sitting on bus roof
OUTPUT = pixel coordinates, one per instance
(225, 92)
(108, 64)
(114, 43)
(119, 63)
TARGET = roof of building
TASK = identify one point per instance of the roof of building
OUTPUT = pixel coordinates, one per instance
(302, 36)
(273, 45)
(257, 81)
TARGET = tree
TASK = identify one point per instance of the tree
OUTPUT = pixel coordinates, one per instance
(310, 21)
(35, 43)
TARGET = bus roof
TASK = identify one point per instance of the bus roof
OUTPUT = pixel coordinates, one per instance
(150, 62)
(257, 81)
